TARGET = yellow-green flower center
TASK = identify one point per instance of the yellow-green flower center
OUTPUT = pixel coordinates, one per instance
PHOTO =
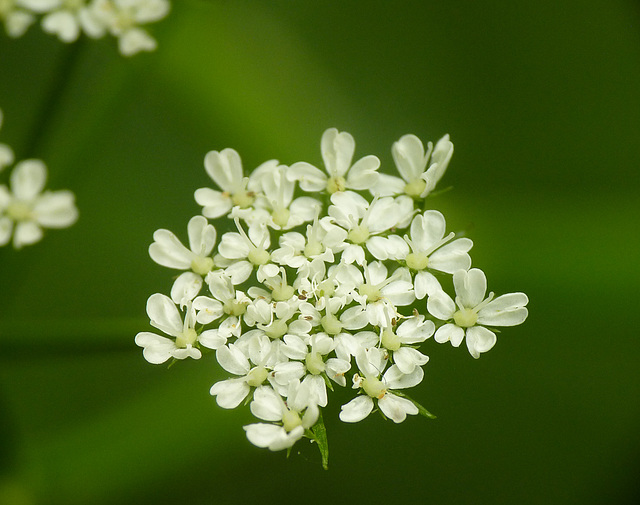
(281, 216)
(359, 234)
(390, 340)
(314, 363)
(417, 261)
(291, 420)
(19, 211)
(331, 324)
(257, 376)
(336, 183)
(187, 337)
(243, 199)
(415, 188)
(374, 387)
(370, 291)
(258, 256)
(277, 329)
(202, 266)
(234, 308)
(465, 318)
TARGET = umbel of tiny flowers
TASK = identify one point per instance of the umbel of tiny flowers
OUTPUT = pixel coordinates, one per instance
(332, 278)
(68, 19)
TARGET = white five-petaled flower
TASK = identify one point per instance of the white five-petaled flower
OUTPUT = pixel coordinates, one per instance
(411, 160)
(225, 168)
(26, 209)
(337, 152)
(165, 316)
(168, 251)
(470, 311)
(370, 362)
(298, 413)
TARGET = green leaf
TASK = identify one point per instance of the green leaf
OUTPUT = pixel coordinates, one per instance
(320, 436)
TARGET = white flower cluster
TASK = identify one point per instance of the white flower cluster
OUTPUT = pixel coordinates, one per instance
(331, 277)
(24, 208)
(67, 19)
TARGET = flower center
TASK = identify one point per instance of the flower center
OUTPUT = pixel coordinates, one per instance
(243, 198)
(374, 387)
(370, 291)
(257, 376)
(313, 248)
(415, 188)
(187, 337)
(331, 324)
(202, 265)
(19, 211)
(465, 318)
(281, 216)
(359, 234)
(417, 261)
(258, 256)
(282, 292)
(390, 340)
(291, 420)
(234, 308)
(336, 183)
(314, 363)
(276, 329)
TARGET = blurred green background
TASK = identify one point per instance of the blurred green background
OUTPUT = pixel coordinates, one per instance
(542, 102)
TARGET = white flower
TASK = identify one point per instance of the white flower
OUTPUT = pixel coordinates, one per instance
(275, 194)
(165, 316)
(25, 210)
(16, 18)
(411, 160)
(225, 168)
(123, 18)
(300, 412)
(414, 330)
(362, 220)
(240, 253)
(337, 152)
(251, 359)
(471, 310)
(393, 406)
(427, 247)
(168, 251)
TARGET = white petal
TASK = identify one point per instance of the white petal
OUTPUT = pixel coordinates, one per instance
(26, 233)
(164, 314)
(56, 209)
(388, 185)
(230, 393)
(135, 40)
(273, 437)
(337, 151)
(506, 310)
(449, 332)
(363, 174)
(185, 288)
(63, 24)
(309, 177)
(267, 404)
(395, 379)
(452, 257)
(225, 168)
(441, 306)
(169, 252)
(202, 235)
(215, 203)
(427, 229)
(28, 179)
(396, 408)
(480, 340)
(470, 286)
(212, 339)
(409, 156)
(357, 409)
(232, 360)
(157, 349)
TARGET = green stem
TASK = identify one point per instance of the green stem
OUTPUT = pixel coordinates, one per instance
(53, 98)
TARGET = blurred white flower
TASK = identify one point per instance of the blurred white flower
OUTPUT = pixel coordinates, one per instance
(25, 209)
